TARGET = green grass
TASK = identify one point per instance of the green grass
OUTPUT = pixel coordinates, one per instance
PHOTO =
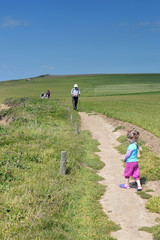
(149, 190)
(96, 95)
(31, 188)
(154, 230)
(141, 110)
(32, 144)
(144, 195)
(103, 90)
(133, 98)
(153, 204)
(90, 85)
(117, 128)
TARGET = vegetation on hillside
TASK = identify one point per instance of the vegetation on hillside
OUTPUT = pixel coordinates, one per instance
(36, 201)
(31, 189)
(134, 98)
(141, 110)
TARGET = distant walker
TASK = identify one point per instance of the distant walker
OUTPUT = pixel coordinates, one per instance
(75, 92)
(42, 95)
(47, 94)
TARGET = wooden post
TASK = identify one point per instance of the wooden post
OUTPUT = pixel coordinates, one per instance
(36, 123)
(71, 118)
(76, 128)
(63, 163)
(68, 108)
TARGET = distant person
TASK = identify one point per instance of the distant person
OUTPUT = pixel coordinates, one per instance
(132, 167)
(47, 94)
(42, 95)
(75, 92)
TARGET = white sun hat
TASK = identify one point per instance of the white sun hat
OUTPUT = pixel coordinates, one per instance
(75, 85)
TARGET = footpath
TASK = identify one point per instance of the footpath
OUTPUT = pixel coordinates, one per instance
(123, 206)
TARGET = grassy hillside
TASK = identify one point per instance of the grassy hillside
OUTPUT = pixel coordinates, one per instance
(102, 85)
(31, 188)
(130, 97)
(142, 110)
(36, 201)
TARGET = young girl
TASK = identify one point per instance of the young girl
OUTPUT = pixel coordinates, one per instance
(132, 167)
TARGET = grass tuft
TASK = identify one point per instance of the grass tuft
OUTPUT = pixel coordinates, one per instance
(153, 204)
(154, 230)
(144, 195)
(117, 128)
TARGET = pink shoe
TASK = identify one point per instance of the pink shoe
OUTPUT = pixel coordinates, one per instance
(139, 189)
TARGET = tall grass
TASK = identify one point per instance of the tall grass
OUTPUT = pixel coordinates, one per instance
(35, 199)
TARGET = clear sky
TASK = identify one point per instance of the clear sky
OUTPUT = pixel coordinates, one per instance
(78, 37)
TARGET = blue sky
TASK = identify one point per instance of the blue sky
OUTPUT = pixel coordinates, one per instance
(78, 37)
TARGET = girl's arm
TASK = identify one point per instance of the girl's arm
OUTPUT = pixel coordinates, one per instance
(128, 154)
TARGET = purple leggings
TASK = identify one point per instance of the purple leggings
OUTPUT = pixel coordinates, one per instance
(132, 169)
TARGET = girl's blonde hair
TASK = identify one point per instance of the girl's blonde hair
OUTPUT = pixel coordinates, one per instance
(133, 136)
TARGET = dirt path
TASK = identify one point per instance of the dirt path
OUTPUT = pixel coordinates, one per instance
(3, 106)
(151, 140)
(4, 120)
(122, 206)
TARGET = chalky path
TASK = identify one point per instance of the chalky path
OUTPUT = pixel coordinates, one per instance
(122, 206)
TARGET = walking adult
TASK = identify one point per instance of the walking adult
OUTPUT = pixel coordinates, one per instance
(47, 94)
(75, 92)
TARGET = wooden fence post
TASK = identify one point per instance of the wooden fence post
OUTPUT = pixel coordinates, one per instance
(71, 118)
(76, 128)
(63, 163)
(36, 123)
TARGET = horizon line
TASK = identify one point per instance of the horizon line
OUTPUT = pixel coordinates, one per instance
(72, 75)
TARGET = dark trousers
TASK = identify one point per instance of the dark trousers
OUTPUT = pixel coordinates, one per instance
(74, 102)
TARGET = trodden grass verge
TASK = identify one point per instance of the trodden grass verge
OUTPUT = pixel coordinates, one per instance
(149, 164)
(154, 230)
(36, 201)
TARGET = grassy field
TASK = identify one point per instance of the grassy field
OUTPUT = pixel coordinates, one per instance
(132, 98)
(142, 110)
(90, 85)
(37, 201)
(31, 187)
